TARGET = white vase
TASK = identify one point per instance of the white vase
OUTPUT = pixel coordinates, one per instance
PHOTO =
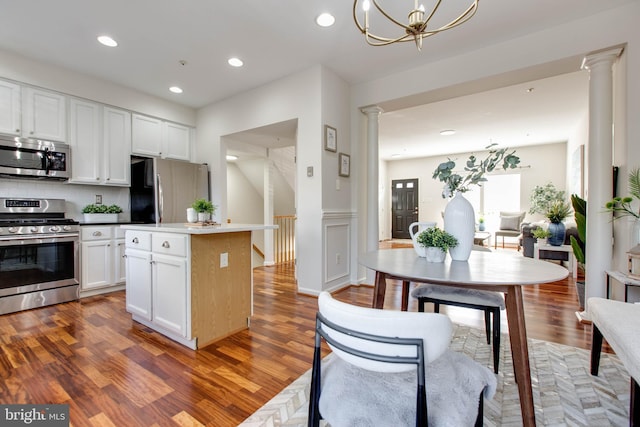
(460, 221)
(414, 230)
(192, 215)
(204, 216)
(435, 254)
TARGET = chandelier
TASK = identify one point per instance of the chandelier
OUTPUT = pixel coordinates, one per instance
(415, 29)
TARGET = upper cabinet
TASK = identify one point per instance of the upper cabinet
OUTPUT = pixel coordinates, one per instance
(10, 104)
(146, 135)
(155, 137)
(32, 113)
(100, 139)
(44, 115)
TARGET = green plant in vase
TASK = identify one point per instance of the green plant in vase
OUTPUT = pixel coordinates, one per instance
(204, 208)
(541, 233)
(557, 212)
(436, 243)
(578, 245)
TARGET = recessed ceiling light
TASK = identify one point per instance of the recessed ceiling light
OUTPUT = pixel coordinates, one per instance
(530, 90)
(235, 62)
(175, 89)
(231, 157)
(447, 132)
(325, 20)
(107, 41)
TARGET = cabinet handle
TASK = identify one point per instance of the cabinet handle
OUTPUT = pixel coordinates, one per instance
(135, 240)
(124, 256)
(152, 262)
(31, 132)
(97, 233)
(108, 179)
(97, 178)
(18, 130)
(165, 244)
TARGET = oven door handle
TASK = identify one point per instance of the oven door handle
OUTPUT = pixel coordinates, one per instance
(22, 240)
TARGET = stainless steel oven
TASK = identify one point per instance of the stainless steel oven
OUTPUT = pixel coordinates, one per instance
(38, 254)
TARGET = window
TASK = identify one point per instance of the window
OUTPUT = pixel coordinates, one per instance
(501, 193)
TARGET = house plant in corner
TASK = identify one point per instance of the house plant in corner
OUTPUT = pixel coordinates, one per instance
(204, 208)
(101, 213)
(578, 245)
(436, 243)
(557, 212)
(459, 217)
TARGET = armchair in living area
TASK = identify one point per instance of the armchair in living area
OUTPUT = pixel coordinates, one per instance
(392, 368)
(510, 223)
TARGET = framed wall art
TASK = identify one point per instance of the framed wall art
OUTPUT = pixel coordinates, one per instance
(344, 164)
(330, 138)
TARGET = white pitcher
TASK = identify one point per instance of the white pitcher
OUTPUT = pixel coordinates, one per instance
(419, 227)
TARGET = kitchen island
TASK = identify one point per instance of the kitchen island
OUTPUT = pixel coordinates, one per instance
(192, 283)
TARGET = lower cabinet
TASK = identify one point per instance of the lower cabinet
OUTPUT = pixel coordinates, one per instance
(102, 264)
(158, 283)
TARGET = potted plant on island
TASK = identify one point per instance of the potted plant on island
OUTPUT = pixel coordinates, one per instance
(541, 234)
(436, 243)
(101, 213)
(204, 208)
(557, 212)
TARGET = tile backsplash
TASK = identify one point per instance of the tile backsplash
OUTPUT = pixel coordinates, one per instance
(77, 196)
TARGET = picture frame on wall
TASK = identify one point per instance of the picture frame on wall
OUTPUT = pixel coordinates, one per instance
(330, 138)
(344, 164)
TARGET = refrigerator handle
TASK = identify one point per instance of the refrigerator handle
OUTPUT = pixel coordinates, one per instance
(160, 198)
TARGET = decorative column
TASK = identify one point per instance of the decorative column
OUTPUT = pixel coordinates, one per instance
(269, 203)
(599, 233)
(373, 234)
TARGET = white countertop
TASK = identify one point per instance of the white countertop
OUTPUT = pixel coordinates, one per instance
(185, 228)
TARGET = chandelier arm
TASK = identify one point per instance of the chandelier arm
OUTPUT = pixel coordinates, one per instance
(389, 17)
(355, 17)
(464, 17)
(433, 11)
(385, 41)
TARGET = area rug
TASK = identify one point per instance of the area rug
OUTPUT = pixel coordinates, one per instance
(564, 392)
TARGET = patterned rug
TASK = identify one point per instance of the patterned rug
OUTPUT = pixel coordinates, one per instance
(564, 392)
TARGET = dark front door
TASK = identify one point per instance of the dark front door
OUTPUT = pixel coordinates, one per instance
(404, 211)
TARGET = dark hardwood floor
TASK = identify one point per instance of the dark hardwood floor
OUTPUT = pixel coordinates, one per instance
(115, 372)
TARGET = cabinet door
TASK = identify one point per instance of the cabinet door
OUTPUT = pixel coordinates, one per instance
(146, 135)
(178, 141)
(170, 293)
(10, 103)
(44, 115)
(119, 262)
(117, 147)
(84, 139)
(138, 289)
(97, 264)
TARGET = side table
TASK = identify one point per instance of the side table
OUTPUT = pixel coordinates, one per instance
(622, 278)
(573, 264)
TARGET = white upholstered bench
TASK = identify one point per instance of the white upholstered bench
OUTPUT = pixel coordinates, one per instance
(619, 323)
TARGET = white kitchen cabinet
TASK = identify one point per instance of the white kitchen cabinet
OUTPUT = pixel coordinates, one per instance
(117, 146)
(158, 138)
(101, 259)
(44, 114)
(177, 141)
(157, 281)
(84, 139)
(10, 108)
(100, 140)
(119, 261)
(146, 135)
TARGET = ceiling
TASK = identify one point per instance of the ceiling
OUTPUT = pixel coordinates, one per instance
(278, 38)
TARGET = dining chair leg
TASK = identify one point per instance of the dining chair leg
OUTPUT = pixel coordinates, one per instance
(487, 324)
(496, 339)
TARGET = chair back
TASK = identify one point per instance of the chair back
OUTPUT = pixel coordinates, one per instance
(435, 331)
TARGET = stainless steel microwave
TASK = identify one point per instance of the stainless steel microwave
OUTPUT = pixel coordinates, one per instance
(34, 158)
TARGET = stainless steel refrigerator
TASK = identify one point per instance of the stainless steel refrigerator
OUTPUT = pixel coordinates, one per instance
(162, 190)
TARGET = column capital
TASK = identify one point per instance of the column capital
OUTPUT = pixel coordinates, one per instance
(372, 109)
(606, 55)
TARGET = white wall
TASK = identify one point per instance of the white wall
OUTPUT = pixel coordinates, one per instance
(523, 56)
(300, 96)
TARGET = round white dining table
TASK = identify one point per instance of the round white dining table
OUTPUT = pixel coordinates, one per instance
(503, 272)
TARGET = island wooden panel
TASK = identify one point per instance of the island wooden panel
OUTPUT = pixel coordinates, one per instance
(220, 296)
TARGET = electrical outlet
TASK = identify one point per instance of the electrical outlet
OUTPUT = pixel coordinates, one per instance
(98, 199)
(224, 259)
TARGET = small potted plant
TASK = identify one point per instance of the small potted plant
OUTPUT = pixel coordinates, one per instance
(204, 208)
(101, 213)
(436, 243)
(481, 225)
(557, 212)
(541, 234)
